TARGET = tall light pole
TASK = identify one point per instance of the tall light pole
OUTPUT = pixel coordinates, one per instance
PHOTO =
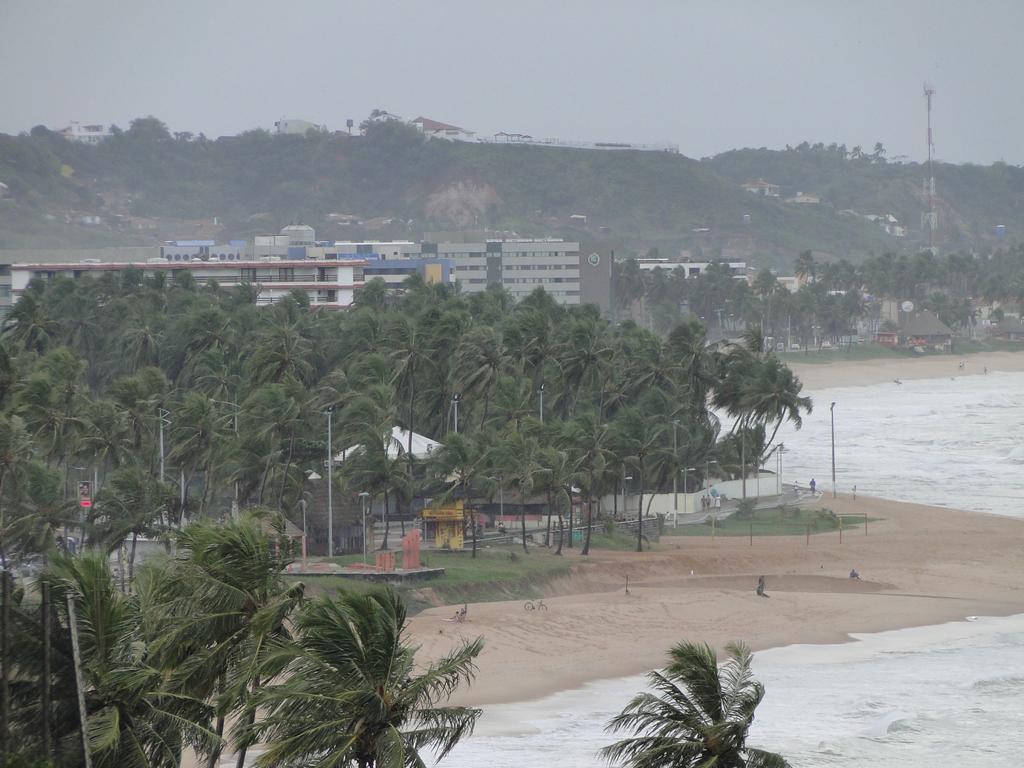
(675, 478)
(743, 459)
(330, 486)
(163, 415)
(362, 497)
(685, 489)
(625, 477)
(541, 393)
(832, 412)
(778, 475)
(455, 404)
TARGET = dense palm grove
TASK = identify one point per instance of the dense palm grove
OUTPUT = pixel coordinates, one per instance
(214, 650)
(90, 370)
(836, 297)
(200, 416)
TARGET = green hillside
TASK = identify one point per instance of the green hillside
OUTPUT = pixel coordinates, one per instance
(147, 185)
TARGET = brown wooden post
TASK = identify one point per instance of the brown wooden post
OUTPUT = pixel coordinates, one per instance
(808, 534)
(865, 523)
(751, 533)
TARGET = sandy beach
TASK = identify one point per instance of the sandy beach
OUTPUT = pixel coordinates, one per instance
(921, 566)
(855, 373)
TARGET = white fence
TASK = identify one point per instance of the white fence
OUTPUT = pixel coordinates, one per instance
(764, 484)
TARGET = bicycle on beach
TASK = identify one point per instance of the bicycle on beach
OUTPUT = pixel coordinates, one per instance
(530, 605)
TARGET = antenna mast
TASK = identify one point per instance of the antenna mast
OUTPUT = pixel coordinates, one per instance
(930, 219)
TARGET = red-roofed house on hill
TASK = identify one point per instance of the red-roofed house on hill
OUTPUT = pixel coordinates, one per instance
(433, 129)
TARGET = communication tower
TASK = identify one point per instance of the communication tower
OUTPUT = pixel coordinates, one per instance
(929, 221)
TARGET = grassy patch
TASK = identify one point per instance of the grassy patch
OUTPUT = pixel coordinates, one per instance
(791, 521)
(497, 573)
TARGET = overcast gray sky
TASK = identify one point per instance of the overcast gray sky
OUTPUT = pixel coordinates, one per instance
(709, 75)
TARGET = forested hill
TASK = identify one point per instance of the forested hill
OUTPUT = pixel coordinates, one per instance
(147, 185)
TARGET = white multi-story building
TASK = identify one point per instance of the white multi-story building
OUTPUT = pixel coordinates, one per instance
(520, 265)
(297, 127)
(737, 269)
(329, 284)
(85, 133)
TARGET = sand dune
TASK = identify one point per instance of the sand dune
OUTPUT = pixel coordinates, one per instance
(921, 565)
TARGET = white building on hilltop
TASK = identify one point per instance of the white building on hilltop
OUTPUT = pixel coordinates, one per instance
(85, 133)
(296, 127)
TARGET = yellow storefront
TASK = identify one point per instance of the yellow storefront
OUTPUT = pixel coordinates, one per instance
(446, 524)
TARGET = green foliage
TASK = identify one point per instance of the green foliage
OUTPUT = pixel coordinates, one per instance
(698, 714)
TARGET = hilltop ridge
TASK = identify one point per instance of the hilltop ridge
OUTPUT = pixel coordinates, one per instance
(145, 186)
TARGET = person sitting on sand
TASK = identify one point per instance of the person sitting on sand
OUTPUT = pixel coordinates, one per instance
(855, 575)
(465, 610)
(897, 381)
(760, 587)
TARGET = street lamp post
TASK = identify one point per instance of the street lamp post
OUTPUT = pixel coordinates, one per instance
(625, 477)
(675, 478)
(541, 393)
(778, 474)
(330, 486)
(686, 489)
(363, 497)
(832, 412)
(455, 403)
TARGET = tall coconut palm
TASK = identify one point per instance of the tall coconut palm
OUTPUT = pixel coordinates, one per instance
(458, 464)
(134, 717)
(227, 608)
(132, 503)
(515, 455)
(588, 440)
(697, 717)
(638, 436)
(479, 361)
(352, 694)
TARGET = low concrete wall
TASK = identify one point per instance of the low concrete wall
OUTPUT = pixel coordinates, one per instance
(664, 503)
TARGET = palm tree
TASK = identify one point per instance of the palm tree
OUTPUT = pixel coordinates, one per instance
(479, 361)
(588, 440)
(352, 695)
(638, 436)
(134, 718)
(516, 456)
(458, 464)
(132, 503)
(227, 609)
(697, 717)
(15, 453)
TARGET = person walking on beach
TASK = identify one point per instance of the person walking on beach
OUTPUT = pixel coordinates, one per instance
(760, 587)
(855, 492)
(813, 485)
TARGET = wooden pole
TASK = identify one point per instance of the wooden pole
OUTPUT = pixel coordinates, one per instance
(76, 655)
(751, 533)
(47, 627)
(865, 523)
(808, 534)
(712, 527)
(840, 519)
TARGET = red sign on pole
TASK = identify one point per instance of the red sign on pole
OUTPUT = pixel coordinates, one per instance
(84, 493)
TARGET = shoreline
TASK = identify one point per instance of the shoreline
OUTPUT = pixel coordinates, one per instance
(922, 566)
(859, 373)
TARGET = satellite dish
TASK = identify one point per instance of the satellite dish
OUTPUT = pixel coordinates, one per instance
(907, 306)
